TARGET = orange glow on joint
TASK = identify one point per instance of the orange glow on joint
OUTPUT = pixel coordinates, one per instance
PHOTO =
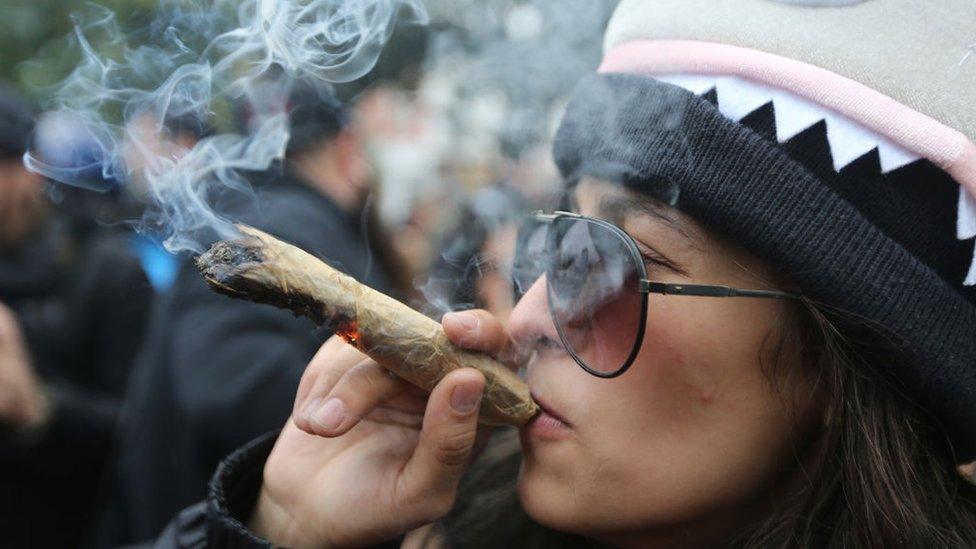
(349, 331)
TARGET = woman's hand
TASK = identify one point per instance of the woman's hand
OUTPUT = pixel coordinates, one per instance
(366, 456)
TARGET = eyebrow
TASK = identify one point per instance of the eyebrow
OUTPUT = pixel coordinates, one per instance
(616, 207)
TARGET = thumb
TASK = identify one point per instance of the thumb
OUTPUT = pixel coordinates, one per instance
(478, 330)
(446, 439)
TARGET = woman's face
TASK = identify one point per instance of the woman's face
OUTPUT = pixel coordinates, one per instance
(685, 445)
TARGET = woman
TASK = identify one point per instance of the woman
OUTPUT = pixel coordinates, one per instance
(740, 336)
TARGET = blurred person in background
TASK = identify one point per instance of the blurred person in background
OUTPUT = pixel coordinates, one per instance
(147, 138)
(73, 309)
(216, 372)
(473, 268)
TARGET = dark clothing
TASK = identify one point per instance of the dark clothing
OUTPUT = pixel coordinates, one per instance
(217, 372)
(233, 491)
(82, 303)
(219, 522)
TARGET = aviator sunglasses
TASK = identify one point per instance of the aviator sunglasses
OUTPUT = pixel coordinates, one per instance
(597, 287)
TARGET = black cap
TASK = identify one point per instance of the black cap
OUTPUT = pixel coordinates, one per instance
(316, 115)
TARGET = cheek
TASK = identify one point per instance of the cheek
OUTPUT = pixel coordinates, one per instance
(701, 360)
(691, 427)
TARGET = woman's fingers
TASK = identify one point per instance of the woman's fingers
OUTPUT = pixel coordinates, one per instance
(334, 358)
(316, 385)
(447, 439)
(341, 385)
(332, 411)
(478, 330)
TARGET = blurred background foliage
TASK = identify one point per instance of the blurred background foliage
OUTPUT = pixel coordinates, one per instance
(38, 49)
(38, 31)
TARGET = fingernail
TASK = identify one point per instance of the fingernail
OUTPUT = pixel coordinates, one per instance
(467, 322)
(465, 398)
(309, 408)
(330, 414)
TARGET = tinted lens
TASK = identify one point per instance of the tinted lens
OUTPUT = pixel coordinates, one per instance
(594, 297)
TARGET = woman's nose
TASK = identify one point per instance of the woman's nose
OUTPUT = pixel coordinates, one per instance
(530, 321)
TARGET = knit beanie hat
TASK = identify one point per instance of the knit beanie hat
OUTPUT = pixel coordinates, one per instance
(833, 139)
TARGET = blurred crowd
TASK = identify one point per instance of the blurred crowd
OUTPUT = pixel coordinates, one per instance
(124, 379)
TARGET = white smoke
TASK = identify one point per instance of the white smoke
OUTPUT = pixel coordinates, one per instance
(499, 73)
(192, 57)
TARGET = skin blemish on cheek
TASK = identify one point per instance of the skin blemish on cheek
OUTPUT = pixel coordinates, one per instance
(705, 393)
(683, 380)
(675, 354)
(695, 379)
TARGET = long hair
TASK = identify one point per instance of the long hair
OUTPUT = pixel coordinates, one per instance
(876, 472)
(880, 472)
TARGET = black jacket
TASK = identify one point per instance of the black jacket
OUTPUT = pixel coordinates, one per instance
(216, 372)
(82, 301)
(220, 521)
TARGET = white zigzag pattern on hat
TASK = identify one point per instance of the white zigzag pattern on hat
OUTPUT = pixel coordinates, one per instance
(737, 97)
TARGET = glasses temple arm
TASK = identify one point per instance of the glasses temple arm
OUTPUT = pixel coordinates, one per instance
(700, 290)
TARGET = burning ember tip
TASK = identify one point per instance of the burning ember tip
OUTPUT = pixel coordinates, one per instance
(348, 331)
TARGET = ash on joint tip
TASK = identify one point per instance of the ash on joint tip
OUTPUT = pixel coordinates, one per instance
(225, 257)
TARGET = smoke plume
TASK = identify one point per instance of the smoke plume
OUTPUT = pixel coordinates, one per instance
(192, 58)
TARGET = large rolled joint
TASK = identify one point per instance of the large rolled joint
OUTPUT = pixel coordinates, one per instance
(260, 268)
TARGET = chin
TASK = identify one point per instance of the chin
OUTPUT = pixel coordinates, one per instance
(548, 499)
(562, 502)
(546, 484)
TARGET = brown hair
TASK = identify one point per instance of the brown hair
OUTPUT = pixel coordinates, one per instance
(879, 473)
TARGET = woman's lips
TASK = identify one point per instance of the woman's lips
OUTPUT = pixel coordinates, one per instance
(548, 424)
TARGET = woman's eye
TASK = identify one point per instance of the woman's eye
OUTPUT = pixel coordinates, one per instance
(655, 261)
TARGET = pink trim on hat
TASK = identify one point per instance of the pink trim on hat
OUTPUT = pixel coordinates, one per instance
(946, 147)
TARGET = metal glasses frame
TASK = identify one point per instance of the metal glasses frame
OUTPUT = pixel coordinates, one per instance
(645, 287)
